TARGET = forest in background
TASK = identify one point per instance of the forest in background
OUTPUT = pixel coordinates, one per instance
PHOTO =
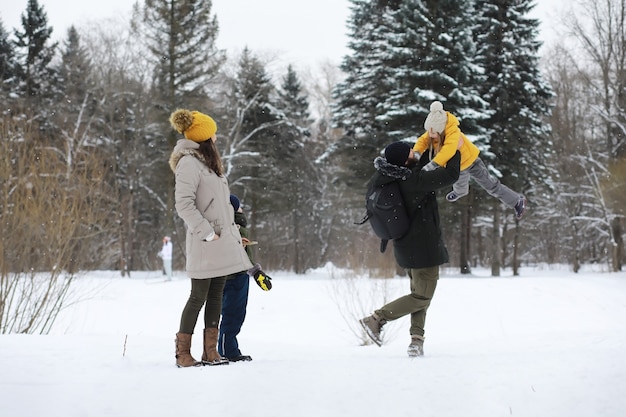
(85, 137)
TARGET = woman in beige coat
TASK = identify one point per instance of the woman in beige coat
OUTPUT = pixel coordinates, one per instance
(213, 242)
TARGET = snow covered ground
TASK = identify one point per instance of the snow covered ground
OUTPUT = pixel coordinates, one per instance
(547, 344)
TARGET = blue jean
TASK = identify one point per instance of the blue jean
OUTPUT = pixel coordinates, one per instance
(234, 303)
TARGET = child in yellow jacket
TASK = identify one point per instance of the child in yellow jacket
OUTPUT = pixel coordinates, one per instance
(442, 139)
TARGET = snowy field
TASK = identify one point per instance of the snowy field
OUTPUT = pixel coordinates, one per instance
(547, 344)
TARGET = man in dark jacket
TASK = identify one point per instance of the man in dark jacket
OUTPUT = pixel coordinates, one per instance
(422, 250)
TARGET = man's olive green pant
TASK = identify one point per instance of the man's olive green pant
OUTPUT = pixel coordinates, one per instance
(423, 285)
(203, 290)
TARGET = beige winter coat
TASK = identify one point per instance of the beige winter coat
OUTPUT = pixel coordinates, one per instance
(203, 202)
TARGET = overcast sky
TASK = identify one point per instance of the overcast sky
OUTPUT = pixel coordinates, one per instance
(303, 33)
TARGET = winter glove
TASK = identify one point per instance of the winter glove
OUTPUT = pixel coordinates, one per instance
(431, 166)
(260, 277)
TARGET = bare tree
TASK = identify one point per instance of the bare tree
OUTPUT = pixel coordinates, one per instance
(356, 296)
(601, 35)
(47, 223)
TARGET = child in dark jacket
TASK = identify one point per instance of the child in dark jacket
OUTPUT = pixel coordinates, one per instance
(235, 298)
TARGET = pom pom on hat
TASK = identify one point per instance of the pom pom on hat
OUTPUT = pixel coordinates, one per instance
(234, 201)
(437, 118)
(194, 125)
(397, 153)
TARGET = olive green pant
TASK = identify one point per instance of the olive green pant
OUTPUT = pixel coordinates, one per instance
(423, 285)
(207, 292)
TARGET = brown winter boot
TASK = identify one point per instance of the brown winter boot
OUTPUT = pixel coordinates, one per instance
(373, 325)
(183, 354)
(416, 348)
(210, 355)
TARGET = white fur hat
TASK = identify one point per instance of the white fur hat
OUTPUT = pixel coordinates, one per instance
(437, 118)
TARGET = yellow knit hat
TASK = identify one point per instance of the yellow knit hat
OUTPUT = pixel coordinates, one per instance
(194, 125)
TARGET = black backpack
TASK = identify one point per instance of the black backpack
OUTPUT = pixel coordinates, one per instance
(386, 212)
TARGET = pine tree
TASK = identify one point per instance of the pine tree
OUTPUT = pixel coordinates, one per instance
(358, 96)
(407, 53)
(300, 180)
(251, 141)
(7, 62)
(515, 90)
(266, 158)
(245, 94)
(179, 36)
(293, 99)
(34, 54)
(446, 69)
(76, 106)
(75, 69)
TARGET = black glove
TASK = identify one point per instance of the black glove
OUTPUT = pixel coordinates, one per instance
(260, 277)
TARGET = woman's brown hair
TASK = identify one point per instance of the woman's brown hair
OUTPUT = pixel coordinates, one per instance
(212, 156)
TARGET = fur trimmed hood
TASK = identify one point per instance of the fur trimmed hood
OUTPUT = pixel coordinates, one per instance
(184, 147)
(391, 170)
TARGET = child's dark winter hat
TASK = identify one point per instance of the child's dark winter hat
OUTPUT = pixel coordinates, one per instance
(397, 153)
(235, 202)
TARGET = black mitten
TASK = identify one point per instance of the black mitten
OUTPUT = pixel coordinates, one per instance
(260, 277)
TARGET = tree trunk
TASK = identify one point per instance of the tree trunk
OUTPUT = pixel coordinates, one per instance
(516, 249)
(466, 227)
(297, 267)
(495, 238)
(618, 247)
(575, 249)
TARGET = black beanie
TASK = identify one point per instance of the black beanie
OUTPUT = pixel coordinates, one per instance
(397, 153)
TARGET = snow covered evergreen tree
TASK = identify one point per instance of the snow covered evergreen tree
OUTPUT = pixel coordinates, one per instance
(515, 90)
(293, 99)
(358, 96)
(406, 54)
(250, 143)
(519, 137)
(431, 56)
(301, 186)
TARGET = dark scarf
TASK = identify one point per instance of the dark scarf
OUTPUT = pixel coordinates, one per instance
(391, 170)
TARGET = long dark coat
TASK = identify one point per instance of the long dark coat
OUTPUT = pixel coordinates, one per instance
(422, 247)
